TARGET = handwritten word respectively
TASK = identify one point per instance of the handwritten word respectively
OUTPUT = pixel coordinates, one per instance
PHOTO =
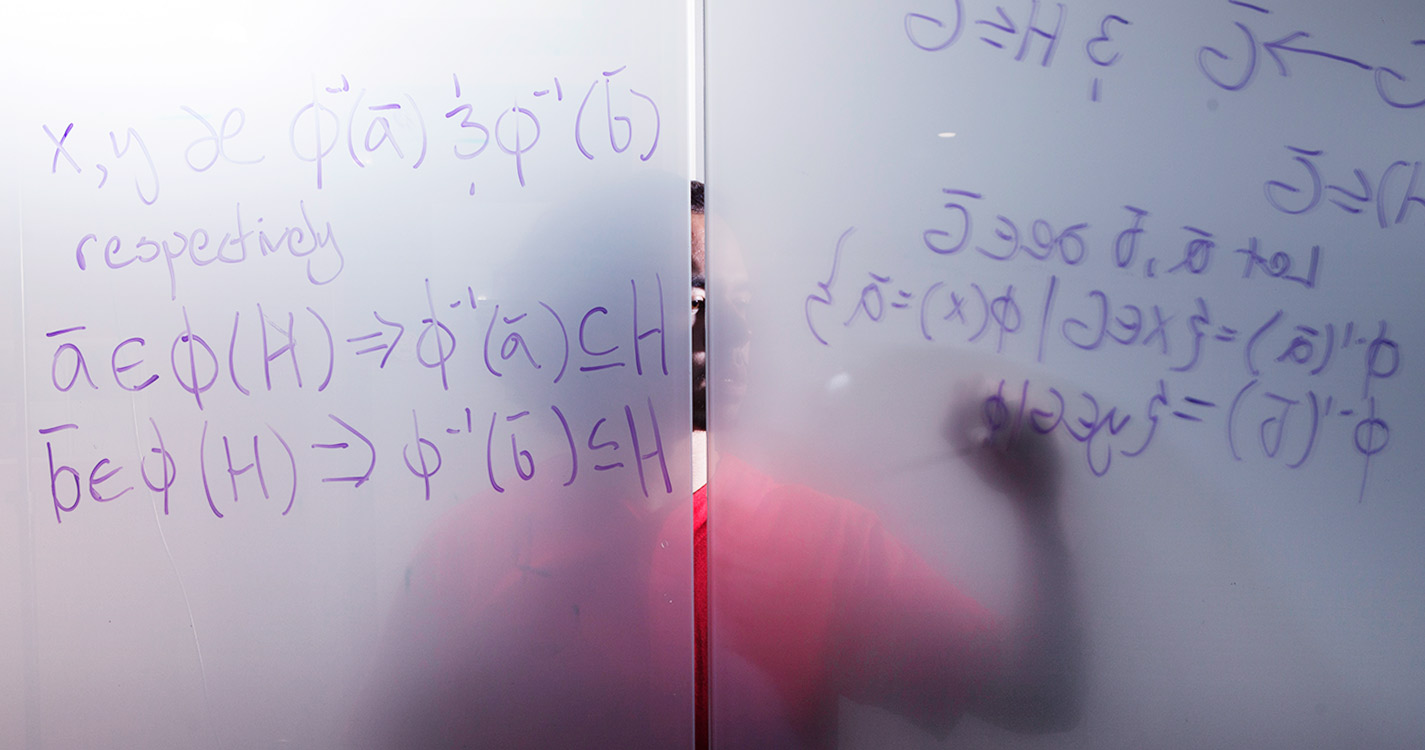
(1234, 67)
(239, 244)
(1016, 30)
(267, 471)
(1306, 192)
(1192, 254)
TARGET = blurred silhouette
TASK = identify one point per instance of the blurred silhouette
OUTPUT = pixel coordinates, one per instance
(540, 623)
(812, 596)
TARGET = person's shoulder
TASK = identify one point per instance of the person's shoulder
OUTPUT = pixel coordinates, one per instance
(747, 499)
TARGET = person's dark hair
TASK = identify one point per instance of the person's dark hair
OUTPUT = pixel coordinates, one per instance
(697, 197)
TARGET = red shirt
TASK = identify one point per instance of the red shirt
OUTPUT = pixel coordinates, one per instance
(564, 622)
(813, 598)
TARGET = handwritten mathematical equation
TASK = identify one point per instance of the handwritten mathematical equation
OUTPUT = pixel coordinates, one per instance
(1255, 423)
(1019, 30)
(264, 348)
(1233, 67)
(1192, 251)
(264, 472)
(343, 121)
(961, 311)
(1046, 321)
(1305, 193)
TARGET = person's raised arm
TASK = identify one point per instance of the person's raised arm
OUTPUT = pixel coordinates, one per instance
(1038, 684)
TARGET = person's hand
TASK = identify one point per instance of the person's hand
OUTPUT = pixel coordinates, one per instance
(997, 434)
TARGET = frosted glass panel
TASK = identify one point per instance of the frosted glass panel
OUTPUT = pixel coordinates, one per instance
(347, 376)
(1061, 365)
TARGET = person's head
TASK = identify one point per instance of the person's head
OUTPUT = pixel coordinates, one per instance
(731, 334)
(699, 295)
(699, 252)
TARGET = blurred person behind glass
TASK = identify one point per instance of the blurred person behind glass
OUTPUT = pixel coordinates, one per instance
(813, 599)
